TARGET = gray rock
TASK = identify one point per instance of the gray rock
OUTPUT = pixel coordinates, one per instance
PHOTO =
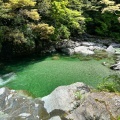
(117, 51)
(93, 106)
(115, 45)
(70, 44)
(52, 49)
(92, 48)
(88, 44)
(83, 50)
(65, 44)
(74, 102)
(63, 97)
(77, 44)
(111, 50)
(68, 51)
(115, 66)
(98, 106)
(14, 106)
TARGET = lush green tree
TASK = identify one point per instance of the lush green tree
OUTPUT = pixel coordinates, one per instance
(66, 20)
(17, 16)
(104, 20)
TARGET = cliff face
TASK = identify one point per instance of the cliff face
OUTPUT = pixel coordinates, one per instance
(72, 102)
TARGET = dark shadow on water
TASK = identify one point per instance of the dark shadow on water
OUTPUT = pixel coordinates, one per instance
(19, 64)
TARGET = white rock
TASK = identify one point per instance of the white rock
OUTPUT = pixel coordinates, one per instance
(2, 90)
(83, 50)
(92, 48)
(87, 43)
(9, 96)
(36, 105)
(110, 49)
(24, 115)
(55, 118)
(62, 98)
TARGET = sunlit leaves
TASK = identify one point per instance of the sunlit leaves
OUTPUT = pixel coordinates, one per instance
(33, 14)
(42, 30)
(17, 37)
(63, 14)
(111, 6)
(20, 3)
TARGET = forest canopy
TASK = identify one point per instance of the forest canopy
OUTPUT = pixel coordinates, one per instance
(31, 25)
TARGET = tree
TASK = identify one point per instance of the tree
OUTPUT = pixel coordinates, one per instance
(104, 20)
(66, 20)
(17, 16)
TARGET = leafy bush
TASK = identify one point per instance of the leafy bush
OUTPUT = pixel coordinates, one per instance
(104, 22)
(65, 18)
(111, 83)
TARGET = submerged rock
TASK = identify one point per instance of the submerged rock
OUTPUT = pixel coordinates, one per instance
(7, 78)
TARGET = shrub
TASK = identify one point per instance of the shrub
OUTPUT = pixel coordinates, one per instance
(111, 83)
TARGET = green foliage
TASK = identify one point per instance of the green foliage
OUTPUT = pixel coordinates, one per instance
(78, 95)
(61, 32)
(66, 18)
(14, 4)
(118, 118)
(31, 22)
(111, 83)
(42, 30)
(105, 24)
(22, 20)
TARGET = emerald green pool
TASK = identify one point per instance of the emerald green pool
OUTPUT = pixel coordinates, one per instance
(42, 76)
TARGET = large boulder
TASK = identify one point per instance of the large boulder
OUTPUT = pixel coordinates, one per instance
(76, 102)
(14, 106)
(63, 98)
(98, 106)
(71, 102)
(83, 50)
(110, 49)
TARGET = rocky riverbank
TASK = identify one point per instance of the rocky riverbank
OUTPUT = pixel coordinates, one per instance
(89, 47)
(72, 102)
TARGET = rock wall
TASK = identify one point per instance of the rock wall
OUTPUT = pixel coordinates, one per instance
(72, 102)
